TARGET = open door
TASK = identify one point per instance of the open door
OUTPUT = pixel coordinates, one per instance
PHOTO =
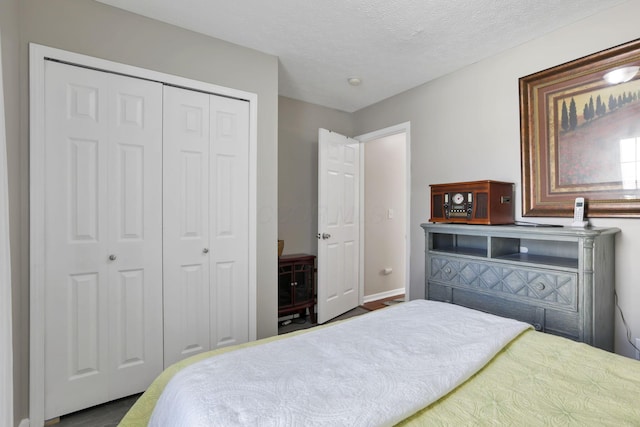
(338, 224)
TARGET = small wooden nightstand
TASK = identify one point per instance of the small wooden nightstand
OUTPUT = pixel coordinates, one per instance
(297, 285)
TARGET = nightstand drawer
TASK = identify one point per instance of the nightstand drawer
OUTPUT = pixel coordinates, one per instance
(543, 288)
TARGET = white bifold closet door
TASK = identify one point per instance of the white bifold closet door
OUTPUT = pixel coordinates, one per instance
(206, 222)
(103, 236)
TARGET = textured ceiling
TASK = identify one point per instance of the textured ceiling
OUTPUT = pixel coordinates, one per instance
(392, 45)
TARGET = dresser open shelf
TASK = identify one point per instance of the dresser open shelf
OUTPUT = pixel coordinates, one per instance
(519, 249)
(559, 279)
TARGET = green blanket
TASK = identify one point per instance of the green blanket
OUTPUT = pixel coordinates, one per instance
(537, 380)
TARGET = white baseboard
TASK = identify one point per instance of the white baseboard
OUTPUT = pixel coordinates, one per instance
(383, 295)
(24, 423)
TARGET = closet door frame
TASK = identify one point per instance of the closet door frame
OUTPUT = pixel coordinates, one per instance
(38, 54)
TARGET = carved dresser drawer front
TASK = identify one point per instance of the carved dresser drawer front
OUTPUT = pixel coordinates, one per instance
(557, 290)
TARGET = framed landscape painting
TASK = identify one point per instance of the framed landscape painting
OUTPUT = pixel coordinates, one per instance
(580, 135)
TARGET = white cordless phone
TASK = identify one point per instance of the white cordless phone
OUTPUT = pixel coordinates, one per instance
(578, 213)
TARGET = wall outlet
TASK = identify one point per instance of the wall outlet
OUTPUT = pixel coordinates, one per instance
(637, 346)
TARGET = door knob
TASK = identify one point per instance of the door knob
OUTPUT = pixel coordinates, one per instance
(112, 257)
(325, 236)
(205, 251)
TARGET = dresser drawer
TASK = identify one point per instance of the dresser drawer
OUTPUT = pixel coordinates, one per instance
(543, 288)
(558, 322)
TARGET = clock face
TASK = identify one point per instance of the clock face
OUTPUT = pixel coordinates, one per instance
(457, 198)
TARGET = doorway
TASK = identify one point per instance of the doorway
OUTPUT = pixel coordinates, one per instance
(384, 197)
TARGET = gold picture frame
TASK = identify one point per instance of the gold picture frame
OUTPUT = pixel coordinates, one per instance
(580, 135)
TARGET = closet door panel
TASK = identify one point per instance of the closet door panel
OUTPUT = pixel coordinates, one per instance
(102, 201)
(186, 223)
(135, 233)
(230, 221)
(76, 272)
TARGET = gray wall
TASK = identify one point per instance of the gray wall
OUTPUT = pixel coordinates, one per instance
(298, 169)
(10, 73)
(487, 144)
(98, 30)
(385, 185)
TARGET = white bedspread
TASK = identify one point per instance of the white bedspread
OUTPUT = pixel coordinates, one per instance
(373, 370)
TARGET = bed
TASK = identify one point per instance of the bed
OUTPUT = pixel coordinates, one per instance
(451, 366)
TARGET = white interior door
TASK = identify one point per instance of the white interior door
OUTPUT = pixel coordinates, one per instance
(338, 224)
(103, 229)
(206, 222)
(229, 183)
(186, 223)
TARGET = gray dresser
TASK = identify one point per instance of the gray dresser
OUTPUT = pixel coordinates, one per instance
(559, 279)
